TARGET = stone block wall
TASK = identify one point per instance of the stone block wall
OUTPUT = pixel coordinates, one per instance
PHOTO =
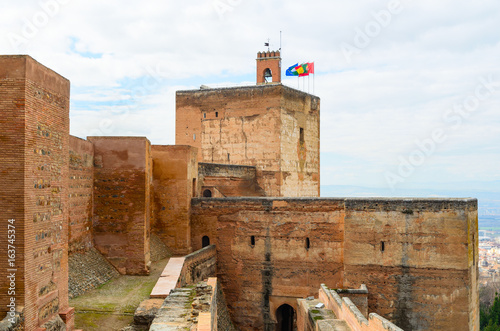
(300, 143)
(230, 180)
(175, 181)
(417, 256)
(256, 126)
(122, 184)
(80, 189)
(417, 259)
(270, 249)
(34, 102)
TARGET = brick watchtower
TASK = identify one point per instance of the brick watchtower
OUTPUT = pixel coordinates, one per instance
(268, 67)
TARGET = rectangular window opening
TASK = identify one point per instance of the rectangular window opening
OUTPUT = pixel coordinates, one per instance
(301, 135)
(382, 246)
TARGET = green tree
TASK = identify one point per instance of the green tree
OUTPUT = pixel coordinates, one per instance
(490, 318)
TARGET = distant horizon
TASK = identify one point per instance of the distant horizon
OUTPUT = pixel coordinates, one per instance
(488, 200)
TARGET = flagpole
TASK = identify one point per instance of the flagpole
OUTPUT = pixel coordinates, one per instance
(314, 76)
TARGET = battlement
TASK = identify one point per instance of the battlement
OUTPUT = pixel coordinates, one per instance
(268, 54)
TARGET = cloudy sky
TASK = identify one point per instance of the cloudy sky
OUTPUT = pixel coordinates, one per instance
(410, 90)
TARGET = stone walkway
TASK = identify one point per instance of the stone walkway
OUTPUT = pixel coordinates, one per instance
(175, 312)
(168, 278)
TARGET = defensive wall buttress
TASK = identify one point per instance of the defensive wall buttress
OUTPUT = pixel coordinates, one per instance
(244, 176)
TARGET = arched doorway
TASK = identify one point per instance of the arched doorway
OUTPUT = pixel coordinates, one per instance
(285, 318)
(207, 193)
(205, 241)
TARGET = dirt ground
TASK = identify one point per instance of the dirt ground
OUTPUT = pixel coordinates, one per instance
(111, 306)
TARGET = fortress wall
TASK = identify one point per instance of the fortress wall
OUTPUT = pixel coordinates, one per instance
(229, 180)
(300, 152)
(80, 190)
(34, 165)
(279, 265)
(413, 256)
(122, 180)
(419, 277)
(175, 182)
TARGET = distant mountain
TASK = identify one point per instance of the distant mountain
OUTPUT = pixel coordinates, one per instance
(488, 194)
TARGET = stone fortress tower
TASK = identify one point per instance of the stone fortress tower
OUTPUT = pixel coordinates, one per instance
(270, 126)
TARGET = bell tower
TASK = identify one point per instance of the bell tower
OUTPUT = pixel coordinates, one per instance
(268, 67)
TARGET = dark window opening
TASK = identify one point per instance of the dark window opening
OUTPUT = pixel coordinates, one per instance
(207, 194)
(216, 114)
(252, 240)
(204, 115)
(301, 135)
(228, 157)
(194, 187)
(268, 75)
(285, 318)
(205, 241)
(382, 246)
(308, 243)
